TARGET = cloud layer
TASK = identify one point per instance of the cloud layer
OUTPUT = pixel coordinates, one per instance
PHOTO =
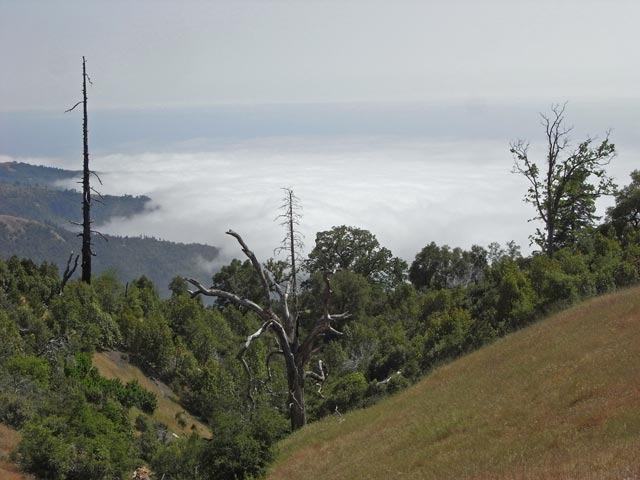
(408, 193)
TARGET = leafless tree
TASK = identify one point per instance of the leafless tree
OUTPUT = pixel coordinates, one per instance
(278, 320)
(87, 231)
(292, 244)
(559, 189)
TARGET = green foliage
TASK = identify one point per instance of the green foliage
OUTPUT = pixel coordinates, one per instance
(181, 460)
(351, 292)
(238, 278)
(78, 312)
(624, 217)
(436, 268)
(350, 248)
(447, 336)
(346, 393)
(12, 343)
(86, 445)
(514, 298)
(29, 367)
(242, 448)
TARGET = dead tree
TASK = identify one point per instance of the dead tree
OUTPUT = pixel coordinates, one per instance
(86, 234)
(296, 352)
(292, 244)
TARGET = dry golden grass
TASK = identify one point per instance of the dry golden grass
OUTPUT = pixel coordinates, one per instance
(113, 365)
(558, 400)
(9, 439)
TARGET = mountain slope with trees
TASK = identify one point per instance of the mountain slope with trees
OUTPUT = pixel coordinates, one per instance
(36, 218)
(560, 399)
(127, 257)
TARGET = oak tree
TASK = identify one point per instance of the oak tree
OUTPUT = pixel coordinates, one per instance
(564, 186)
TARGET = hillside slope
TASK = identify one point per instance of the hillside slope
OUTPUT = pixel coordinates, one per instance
(559, 400)
(114, 365)
(9, 439)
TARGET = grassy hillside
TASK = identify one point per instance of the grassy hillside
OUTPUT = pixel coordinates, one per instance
(114, 365)
(558, 400)
(9, 439)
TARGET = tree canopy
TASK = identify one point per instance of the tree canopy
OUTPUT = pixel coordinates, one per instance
(358, 250)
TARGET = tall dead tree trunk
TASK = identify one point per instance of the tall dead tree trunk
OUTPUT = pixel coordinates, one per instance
(86, 187)
(297, 353)
(86, 251)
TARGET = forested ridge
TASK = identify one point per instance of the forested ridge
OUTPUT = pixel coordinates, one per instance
(38, 220)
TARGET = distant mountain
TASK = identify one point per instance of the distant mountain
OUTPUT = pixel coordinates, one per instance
(47, 204)
(128, 257)
(27, 174)
(35, 222)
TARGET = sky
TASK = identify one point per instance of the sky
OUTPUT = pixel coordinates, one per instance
(390, 116)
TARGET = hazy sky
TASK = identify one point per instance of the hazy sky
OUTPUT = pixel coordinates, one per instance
(394, 116)
(194, 53)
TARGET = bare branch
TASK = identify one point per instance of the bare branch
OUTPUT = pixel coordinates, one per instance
(240, 356)
(97, 193)
(214, 292)
(68, 271)
(253, 336)
(95, 174)
(101, 235)
(335, 332)
(319, 378)
(80, 102)
(256, 266)
(388, 379)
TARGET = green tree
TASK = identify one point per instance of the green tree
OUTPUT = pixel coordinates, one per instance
(563, 188)
(351, 248)
(624, 217)
(437, 267)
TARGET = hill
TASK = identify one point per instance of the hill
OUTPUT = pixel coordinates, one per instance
(51, 205)
(558, 400)
(114, 365)
(35, 215)
(128, 257)
(26, 174)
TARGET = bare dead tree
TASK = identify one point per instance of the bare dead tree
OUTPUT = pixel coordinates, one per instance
(292, 243)
(295, 351)
(559, 188)
(72, 265)
(86, 234)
